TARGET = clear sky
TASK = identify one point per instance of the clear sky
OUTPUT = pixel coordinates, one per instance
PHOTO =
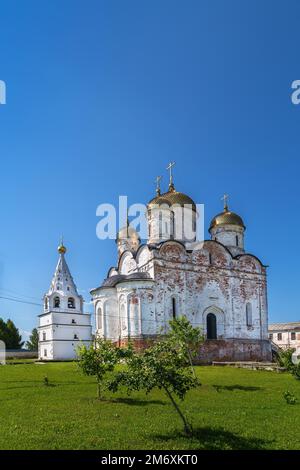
(101, 95)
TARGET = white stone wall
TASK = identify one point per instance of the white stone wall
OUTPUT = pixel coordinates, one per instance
(231, 236)
(205, 281)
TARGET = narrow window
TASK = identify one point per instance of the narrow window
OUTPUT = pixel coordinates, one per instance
(270, 336)
(160, 225)
(99, 318)
(75, 337)
(279, 336)
(46, 303)
(71, 302)
(45, 352)
(211, 326)
(293, 336)
(172, 231)
(173, 308)
(56, 302)
(249, 314)
(210, 258)
(44, 336)
(237, 240)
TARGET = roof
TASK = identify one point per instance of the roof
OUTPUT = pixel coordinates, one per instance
(62, 280)
(172, 197)
(114, 280)
(226, 218)
(284, 326)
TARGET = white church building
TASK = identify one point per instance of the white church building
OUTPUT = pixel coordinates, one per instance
(217, 285)
(63, 326)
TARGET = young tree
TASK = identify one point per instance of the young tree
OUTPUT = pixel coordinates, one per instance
(98, 359)
(33, 343)
(158, 366)
(185, 338)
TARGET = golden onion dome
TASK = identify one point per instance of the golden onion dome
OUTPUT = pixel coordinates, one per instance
(172, 197)
(226, 218)
(61, 249)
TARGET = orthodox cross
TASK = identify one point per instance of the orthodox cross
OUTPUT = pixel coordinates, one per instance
(225, 200)
(157, 181)
(169, 167)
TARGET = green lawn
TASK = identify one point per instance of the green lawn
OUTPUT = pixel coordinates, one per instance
(233, 409)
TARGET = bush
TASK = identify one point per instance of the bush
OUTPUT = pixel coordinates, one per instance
(296, 371)
(284, 359)
(290, 398)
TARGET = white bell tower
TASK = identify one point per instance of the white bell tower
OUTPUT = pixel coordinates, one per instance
(63, 326)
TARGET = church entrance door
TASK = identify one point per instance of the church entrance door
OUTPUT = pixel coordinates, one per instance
(211, 326)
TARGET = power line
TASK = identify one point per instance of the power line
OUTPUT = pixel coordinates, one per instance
(20, 301)
(17, 294)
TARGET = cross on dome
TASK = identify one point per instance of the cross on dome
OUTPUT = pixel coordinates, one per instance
(157, 181)
(225, 200)
(171, 184)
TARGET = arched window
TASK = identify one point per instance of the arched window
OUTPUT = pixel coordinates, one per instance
(249, 314)
(172, 225)
(56, 302)
(71, 302)
(211, 326)
(44, 336)
(46, 303)
(99, 318)
(160, 225)
(173, 308)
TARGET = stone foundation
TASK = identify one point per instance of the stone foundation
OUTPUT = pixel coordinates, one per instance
(221, 350)
(234, 350)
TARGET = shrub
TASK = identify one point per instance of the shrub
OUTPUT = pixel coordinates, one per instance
(290, 398)
(284, 359)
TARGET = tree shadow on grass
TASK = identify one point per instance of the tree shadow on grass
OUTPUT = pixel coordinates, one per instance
(137, 402)
(231, 388)
(217, 439)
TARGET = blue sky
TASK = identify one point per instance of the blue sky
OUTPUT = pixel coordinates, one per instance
(101, 95)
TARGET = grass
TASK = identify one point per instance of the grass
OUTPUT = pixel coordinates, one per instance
(233, 409)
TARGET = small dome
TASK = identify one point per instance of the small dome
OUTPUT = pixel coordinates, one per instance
(226, 218)
(61, 249)
(172, 197)
(127, 232)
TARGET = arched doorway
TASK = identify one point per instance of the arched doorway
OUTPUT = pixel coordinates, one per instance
(211, 326)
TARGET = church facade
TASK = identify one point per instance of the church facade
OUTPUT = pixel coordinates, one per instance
(216, 284)
(63, 326)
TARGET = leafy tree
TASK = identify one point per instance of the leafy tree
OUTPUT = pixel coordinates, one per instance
(9, 333)
(33, 343)
(158, 366)
(284, 358)
(98, 359)
(186, 339)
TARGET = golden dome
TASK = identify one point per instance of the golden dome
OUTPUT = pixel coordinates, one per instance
(172, 197)
(226, 218)
(61, 249)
